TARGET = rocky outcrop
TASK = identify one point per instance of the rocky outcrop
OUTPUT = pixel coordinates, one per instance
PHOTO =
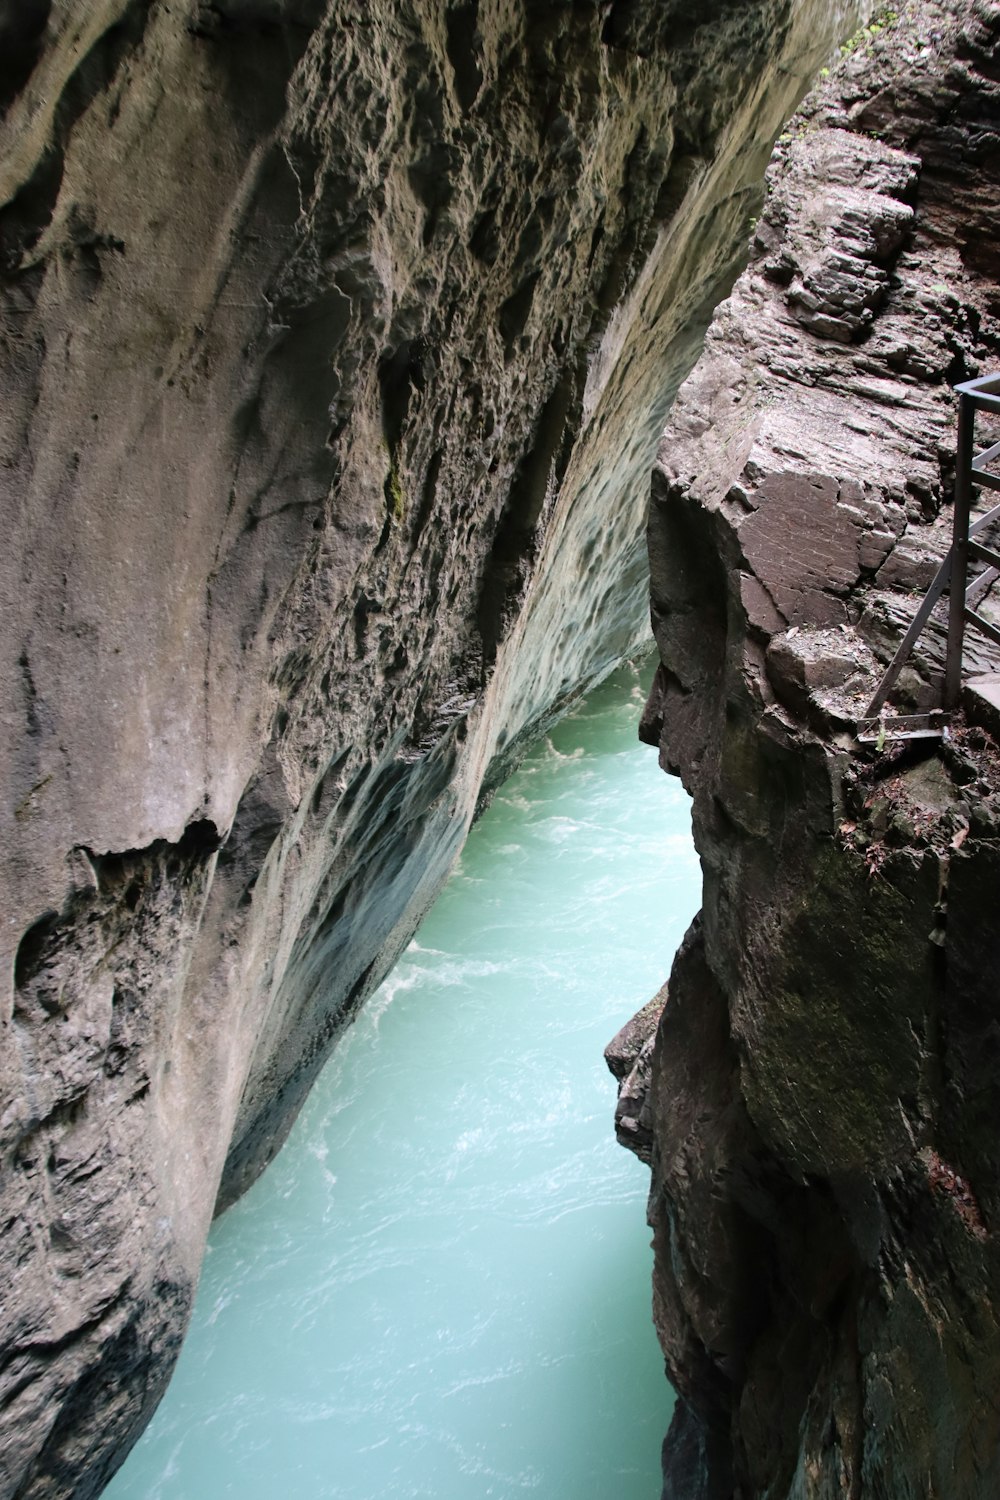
(824, 1085)
(629, 1055)
(336, 343)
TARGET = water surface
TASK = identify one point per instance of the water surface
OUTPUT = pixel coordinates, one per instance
(441, 1286)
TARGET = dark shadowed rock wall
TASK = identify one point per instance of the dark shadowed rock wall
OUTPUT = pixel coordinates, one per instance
(336, 343)
(823, 1093)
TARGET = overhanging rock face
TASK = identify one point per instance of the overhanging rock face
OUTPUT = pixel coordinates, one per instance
(336, 342)
(824, 1086)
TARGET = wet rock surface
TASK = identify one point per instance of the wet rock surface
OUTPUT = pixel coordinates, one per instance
(824, 1083)
(336, 346)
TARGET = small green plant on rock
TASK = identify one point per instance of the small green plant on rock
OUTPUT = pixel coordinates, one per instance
(880, 22)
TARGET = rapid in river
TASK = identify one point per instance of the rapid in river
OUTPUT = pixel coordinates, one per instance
(441, 1288)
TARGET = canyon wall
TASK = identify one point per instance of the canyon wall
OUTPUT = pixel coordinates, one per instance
(337, 341)
(820, 1103)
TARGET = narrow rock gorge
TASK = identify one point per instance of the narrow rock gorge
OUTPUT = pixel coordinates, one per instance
(337, 341)
(820, 1102)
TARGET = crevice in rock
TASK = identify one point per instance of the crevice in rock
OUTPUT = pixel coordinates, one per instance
(508, 566)
(463, 52)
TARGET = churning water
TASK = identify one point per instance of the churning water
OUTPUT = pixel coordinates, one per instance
(441, 1286)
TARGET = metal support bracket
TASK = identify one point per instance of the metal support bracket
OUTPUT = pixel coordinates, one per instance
(953, 574)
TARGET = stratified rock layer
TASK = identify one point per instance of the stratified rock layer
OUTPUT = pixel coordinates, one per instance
(825, 1083)
(336, 343)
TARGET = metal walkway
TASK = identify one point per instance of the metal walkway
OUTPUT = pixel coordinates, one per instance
(952, 576)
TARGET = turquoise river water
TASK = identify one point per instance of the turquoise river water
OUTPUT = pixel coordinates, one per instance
(441, 1288)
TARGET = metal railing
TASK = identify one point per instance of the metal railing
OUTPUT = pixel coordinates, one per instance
(953, 574)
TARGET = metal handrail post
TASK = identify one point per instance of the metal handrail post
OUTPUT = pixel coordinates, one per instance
(959, 550)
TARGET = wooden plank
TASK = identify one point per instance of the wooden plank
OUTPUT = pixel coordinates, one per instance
(901, 734)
